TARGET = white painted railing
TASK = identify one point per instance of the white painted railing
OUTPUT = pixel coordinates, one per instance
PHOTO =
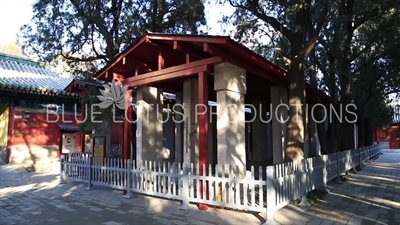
(224, 186)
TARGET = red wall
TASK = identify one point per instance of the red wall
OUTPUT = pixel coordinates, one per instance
(391, 135)
(38, 131)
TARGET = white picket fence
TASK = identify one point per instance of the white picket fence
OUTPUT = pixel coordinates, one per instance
(224, 186)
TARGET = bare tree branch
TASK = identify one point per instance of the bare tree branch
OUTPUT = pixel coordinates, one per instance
(314, 38)
(268, 19)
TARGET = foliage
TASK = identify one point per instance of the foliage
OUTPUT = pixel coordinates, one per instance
(355, 58)
(86, 34)
(94, 32)
(11, 49)
(292, 23)
(313, 197)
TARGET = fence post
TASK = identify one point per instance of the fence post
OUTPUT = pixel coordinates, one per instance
(305, 176)
(62, 170)
(362, 156)
(185, 189)
(271, 194)
(347, 162)
(370, 152)
(338, 169)
(353, 160)
(89, 171)
(128, 164)
(324, 174)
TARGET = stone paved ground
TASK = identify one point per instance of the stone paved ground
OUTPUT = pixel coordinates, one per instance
(34, 198)
(371, 196)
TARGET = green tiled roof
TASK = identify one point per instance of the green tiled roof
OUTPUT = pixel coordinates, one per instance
(68, 127)
(22, 75)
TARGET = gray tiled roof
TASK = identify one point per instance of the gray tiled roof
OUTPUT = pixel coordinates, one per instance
(21, 75)
(68, 127)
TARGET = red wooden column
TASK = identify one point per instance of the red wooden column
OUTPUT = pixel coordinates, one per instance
(83, 133)
(60, 140)
(82, 94)
(127, 130)
(202, 109)
(126, 149)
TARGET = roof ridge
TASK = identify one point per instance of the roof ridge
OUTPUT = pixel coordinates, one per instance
(18, 59)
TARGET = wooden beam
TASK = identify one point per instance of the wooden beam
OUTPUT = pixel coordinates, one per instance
(160, 60)
(264, 71)
(135, 64)
(167, 49)
(173, 72)
(188, 38)
(118, 77)
(143, 80)
(247, 53)
(182, 47)
(187, 58)
(261, 72)
(111, 65)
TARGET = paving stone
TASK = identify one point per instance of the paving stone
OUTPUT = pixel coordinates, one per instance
(177, 222)
(135, 211)
(368, 197)
(96, 209)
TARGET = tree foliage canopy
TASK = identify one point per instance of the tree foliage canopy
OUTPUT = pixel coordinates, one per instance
(86, 34)
(95, 31)
(354, 58)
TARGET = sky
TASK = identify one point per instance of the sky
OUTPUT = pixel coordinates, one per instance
(13, 15)
(16, 13)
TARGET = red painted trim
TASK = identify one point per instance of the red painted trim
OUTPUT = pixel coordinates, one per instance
(259, 67)
(188, 50)
(9, 133)
(120, 57)
(81, 94)
(127, 130)
(167, 77)
(60, 145)
(174, 72)
(135, 63)
(203, 131)
(258, 60)
(160, 60)
(83, 133)
(126, 153)
(189, 38)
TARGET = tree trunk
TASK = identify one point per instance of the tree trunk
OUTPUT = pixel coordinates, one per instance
(348, 137)
(361, 129)
(337, 136)
(295, 131)
(154, 16)
(295, 127)
(369, 132)
(318, 114)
